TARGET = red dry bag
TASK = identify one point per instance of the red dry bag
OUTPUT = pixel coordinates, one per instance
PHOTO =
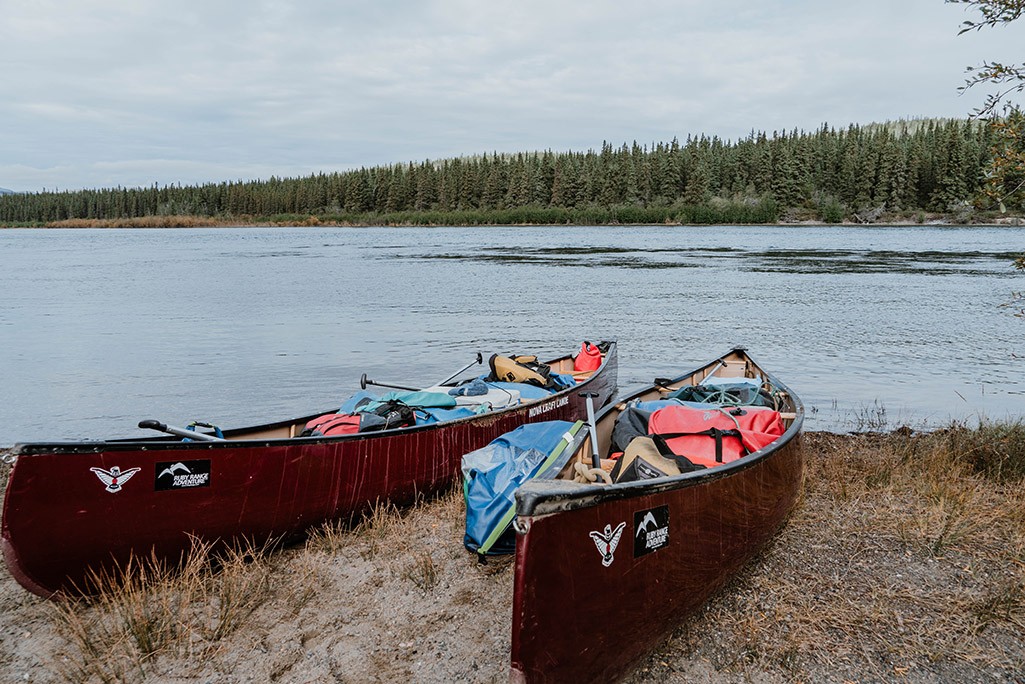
(332, 424)
(589, 358)
(713, 436)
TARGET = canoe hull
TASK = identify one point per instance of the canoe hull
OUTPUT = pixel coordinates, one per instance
(626, 609)
(61, 519)
(583, 615)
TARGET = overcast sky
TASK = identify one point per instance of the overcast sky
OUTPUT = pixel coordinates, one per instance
(98, 93)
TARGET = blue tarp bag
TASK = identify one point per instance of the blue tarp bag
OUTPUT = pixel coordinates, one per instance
(418, 399)
(492, 475)
(437, 415)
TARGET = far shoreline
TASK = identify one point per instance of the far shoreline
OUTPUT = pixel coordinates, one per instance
(313, 221)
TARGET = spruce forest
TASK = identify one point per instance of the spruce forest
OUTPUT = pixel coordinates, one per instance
(895, 170)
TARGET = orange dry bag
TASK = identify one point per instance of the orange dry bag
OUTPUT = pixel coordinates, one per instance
(589, 358)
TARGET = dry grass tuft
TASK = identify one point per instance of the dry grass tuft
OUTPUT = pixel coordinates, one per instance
(995, 450)
(239, 587)
(151, 608)
(330, 537)
(376, 528)
(422, 571)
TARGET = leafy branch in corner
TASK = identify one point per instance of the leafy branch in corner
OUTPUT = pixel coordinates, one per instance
(994, 73)
(1005, 179)
(1010, 77)
(994, 12)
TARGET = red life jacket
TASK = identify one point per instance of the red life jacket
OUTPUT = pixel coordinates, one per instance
(589, 358)
(332, 424)
(710, 437)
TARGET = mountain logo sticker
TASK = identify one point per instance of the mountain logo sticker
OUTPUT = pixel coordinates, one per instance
(651, 530)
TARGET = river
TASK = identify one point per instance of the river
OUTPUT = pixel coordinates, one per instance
(874, 327)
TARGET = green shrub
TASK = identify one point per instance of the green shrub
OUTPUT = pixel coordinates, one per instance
(831, 210)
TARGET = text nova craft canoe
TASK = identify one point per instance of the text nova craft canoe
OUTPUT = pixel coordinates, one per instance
(73, 508)
(603, 573)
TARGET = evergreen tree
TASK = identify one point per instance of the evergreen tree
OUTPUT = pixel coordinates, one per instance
(697, 190)
(786, 187)
(951, 187)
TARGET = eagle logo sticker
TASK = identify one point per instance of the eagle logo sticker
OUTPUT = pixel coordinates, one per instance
(114, 478)
(607, 542)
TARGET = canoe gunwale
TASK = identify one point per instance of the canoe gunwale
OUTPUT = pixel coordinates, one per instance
(162, 443)
(537, 498)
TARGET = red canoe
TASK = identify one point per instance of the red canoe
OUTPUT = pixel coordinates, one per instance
(72, 507)
(605, 572)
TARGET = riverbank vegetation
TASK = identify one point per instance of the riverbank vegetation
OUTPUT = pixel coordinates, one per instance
(904, 560)
(907, 171)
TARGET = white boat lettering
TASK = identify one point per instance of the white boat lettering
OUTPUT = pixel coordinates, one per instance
(656, 539)
(545, 408)
(197, 480)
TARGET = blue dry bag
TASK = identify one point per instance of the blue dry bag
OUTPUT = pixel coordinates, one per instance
(492, 475)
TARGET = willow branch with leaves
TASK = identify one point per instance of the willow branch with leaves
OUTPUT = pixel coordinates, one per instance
(1010, 78)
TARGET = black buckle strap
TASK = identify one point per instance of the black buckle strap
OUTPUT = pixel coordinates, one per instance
(717, 434)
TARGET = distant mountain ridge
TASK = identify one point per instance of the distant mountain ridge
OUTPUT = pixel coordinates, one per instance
(5, 191)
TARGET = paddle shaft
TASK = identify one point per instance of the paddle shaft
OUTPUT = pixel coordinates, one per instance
(364, 380)
(595, 458)
(711, 373)
(181, 432)
(479, 361)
